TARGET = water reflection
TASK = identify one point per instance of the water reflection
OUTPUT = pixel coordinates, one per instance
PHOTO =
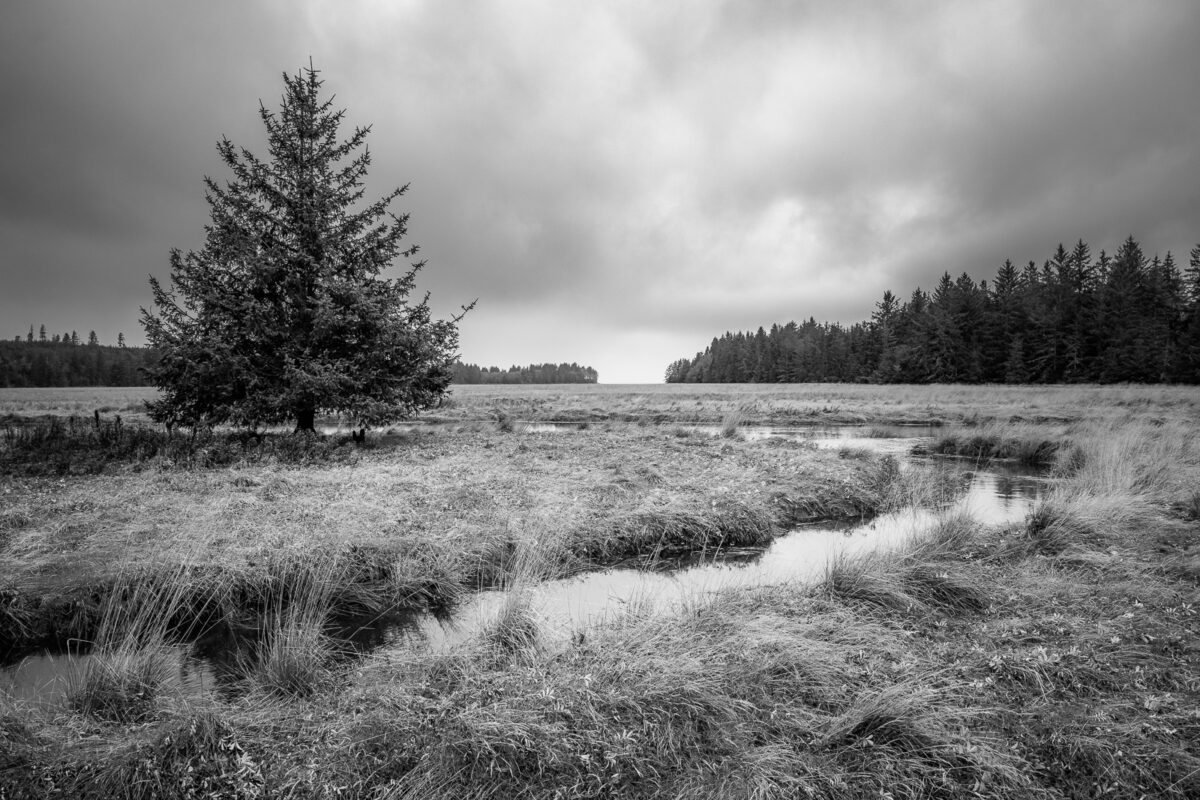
(563, 607)
(216, 663)
(47, 678)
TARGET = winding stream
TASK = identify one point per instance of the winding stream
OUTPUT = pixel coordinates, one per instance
(996, 495)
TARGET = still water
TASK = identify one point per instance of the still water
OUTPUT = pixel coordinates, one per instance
(996, 495)
(562, 607)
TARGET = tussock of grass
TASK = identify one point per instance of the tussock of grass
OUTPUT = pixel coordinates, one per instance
(293, 659)
(857, 580)
(936, 586)
(731, 423)
(130, 661)
(1073, 521)
(879, 485)
(951, 536)
(674, 531)
(1025, 444)
(916, 580)
(199, 755)
(514, 628)
(123, 684)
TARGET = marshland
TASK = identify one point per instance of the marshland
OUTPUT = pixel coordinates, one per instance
(316, 616)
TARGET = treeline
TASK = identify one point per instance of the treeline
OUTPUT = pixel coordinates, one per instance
(534, 373)
(1076, 318)
(61, 361)
(57, 363)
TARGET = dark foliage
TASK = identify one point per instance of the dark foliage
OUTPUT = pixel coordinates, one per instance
(534, 373)
(26, 363)
(1109, 319)
(78, 446)
(283, 313)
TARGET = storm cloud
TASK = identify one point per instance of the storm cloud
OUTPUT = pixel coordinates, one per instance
(615, 182)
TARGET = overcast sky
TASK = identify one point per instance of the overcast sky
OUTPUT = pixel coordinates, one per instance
(616, 182)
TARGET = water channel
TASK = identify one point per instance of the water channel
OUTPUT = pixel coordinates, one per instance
(996, 494)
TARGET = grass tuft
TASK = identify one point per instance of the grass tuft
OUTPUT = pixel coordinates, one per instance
(130, 661)
(860, 580)
(122, 684)
(514, 628)
(198, 756)
(939, 588)
(731, 424)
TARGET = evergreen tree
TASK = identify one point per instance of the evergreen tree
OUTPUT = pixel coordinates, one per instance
(93, 340)
(883, 326)
(282, 313)
(1188, 354)
(1125, 303)
(1074, 319)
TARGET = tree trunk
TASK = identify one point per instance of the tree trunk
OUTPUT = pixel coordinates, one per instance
(305, 414)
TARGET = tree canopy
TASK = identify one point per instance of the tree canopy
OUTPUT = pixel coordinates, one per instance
(283, 313)
(1076, 318)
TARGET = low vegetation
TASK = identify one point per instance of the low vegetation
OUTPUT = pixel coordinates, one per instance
(1052, 658)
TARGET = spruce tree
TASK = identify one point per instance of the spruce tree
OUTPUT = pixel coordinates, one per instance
(283, 314)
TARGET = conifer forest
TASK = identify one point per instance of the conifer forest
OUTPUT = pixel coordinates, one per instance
(1077, 318)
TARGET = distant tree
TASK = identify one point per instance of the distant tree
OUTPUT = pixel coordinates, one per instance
(74, 338)
(42, 333)
(93, 340)
(677, 371)
(120, 340)
(883, 324)
(1122, 318)
(282, 314)
(29, 338)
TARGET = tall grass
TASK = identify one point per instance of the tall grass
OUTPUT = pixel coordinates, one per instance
(75, 446)
(293, 655)
(974, 662)
(731, 423)
(1023, 442)
(131, 660)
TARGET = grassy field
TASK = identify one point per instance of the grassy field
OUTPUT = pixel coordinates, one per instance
(712, 403)
(1054, 658)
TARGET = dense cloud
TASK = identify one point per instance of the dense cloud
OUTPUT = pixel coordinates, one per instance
(615, 182)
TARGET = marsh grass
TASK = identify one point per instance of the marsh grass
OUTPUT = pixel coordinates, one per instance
(974, 662)
(197, 754)
(1028, 444)
(131, 661)
(293, 654)
(78, 446)
(912, 583)
(674, 531)
(767, 694)
(731, 424)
